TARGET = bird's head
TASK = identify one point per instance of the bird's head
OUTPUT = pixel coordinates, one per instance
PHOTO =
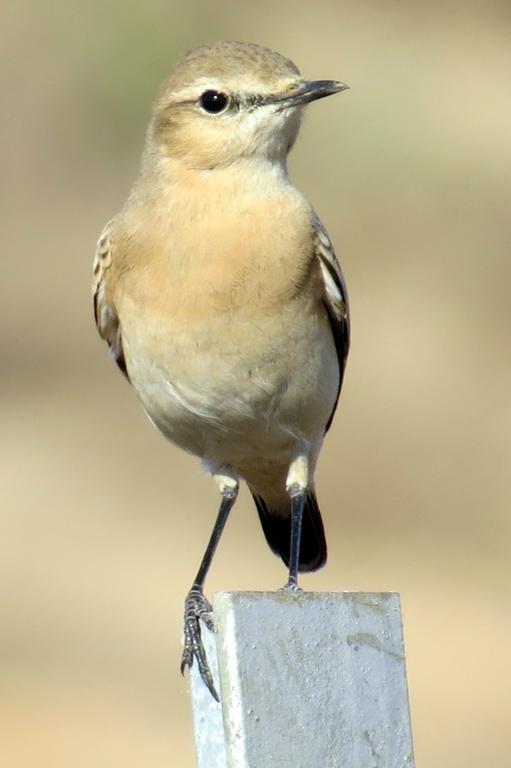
(230, 101)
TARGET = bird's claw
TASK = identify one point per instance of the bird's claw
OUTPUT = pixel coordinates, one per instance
(291, 586)
(197, 609)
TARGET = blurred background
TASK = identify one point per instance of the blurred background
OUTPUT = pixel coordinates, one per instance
(103, 523)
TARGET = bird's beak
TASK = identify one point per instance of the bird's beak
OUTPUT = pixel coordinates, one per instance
(308, 91)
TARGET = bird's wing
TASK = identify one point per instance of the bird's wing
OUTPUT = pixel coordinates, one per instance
(335, 299)
(105, 314)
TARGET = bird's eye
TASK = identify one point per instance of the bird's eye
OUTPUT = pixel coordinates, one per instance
(214, 102)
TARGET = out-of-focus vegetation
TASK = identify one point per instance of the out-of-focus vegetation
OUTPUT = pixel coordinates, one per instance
(103, 523)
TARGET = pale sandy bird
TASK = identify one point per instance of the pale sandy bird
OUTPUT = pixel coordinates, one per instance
(220, 297)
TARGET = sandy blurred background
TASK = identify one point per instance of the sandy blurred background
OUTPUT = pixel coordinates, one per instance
(103, 523)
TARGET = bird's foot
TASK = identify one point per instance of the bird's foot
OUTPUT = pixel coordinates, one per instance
(197, 609)
(291, 586)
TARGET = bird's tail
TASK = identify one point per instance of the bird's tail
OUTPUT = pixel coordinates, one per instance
(276, 525)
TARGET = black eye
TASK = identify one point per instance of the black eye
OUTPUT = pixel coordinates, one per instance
(213, 101)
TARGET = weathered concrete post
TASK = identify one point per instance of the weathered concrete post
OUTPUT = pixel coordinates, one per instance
(306, 680)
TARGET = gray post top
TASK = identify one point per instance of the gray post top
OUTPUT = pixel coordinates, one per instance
(306, 680)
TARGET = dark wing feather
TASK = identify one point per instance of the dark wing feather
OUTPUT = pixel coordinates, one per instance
(335, 300)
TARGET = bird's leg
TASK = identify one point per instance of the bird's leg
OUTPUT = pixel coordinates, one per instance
(297, 482)
(197, 607)
(298, 496)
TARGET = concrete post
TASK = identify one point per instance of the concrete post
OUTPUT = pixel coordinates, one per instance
(306, 680)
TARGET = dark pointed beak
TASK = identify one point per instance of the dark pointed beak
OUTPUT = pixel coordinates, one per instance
(309, 91)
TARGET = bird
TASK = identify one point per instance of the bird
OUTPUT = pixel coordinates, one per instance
(219, 294)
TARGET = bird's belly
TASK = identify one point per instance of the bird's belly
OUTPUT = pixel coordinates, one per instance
(255, 391)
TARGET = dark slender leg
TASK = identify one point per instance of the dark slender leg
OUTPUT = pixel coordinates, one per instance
(298, 496)
(197, 608)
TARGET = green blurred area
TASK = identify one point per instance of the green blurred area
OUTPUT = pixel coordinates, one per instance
(103, 523)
